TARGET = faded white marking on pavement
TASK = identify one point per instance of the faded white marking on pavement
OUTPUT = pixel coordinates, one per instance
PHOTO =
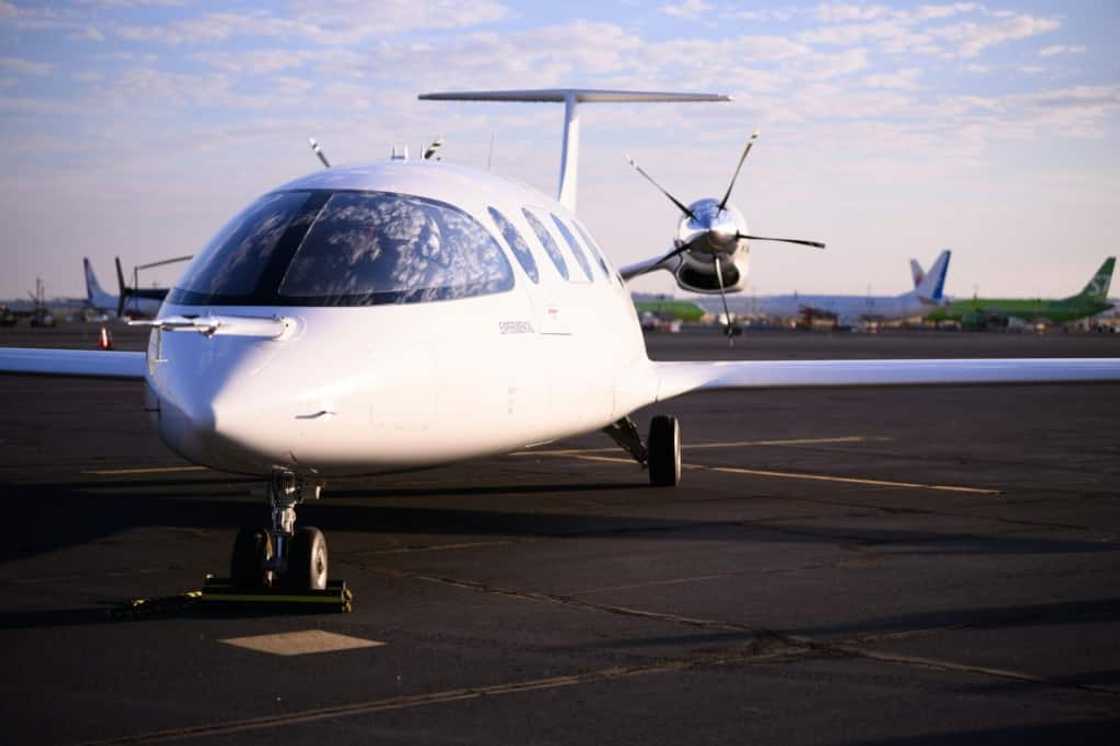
(303, 642)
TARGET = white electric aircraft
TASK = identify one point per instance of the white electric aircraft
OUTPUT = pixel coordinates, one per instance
(410, 314)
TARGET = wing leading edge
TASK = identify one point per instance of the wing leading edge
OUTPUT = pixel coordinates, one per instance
(79, 363)
(676, 378)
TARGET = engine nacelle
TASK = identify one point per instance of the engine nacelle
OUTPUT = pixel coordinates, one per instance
(699, 275)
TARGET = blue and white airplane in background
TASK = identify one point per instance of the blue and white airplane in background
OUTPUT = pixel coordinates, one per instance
(136, 303)
(846, 310)
(409, 314)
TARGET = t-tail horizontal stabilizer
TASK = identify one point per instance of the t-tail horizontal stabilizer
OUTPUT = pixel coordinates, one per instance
(571, 98)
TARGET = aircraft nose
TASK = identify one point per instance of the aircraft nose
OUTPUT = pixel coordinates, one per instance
(219, 410)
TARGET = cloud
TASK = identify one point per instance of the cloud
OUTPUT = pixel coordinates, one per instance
(88, 33)
(844, 12)
(905, 80)
(685, 8)
(970, 39)
(1057, 49)
(25, 67)
(919, 31)
(343, 22)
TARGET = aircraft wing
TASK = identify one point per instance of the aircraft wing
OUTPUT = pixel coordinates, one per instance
(676, 378)
(79, 363)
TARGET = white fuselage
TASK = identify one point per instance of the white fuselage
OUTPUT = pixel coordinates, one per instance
(367, 389)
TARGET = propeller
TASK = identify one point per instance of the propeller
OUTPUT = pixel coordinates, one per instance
(735, 176)
(680, 205)
(723, 298)
(122, 289)
(814, 244)
(715, 213)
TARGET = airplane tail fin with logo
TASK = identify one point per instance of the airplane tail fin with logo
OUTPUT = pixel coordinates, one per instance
(1097, 289)
(916, 272)
(932, 285)
(95, 296)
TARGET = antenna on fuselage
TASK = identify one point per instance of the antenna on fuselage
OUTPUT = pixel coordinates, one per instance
(319, 152)
(490, 155)
(571, 98)
(431, 153)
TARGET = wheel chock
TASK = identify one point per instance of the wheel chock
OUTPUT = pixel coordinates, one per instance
(335, 597)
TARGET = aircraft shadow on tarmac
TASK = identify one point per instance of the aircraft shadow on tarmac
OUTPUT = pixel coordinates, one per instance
(55, 516)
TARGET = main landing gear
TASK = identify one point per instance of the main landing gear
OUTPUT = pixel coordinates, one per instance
(662, 451)
(282, 556)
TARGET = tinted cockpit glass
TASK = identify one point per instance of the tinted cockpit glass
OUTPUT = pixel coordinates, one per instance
(232, 264)
(345, 248)
(368, 248)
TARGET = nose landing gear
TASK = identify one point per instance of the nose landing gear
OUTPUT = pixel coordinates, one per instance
(282, 556)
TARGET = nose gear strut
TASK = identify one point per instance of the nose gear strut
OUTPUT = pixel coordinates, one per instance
(282, 555)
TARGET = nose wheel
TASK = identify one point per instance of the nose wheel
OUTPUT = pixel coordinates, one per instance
(282, 556)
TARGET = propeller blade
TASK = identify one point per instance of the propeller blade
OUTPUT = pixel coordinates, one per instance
(814, 244)
(723, 298)
(121, 289)
(735, 176)
(680, 205)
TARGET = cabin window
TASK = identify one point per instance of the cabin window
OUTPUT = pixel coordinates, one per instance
(570, 239)
(594, 247)
(548, 242)
(346, 248)
(370, 248)
(517, 244)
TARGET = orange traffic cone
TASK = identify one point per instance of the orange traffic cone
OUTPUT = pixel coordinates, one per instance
(105, 341)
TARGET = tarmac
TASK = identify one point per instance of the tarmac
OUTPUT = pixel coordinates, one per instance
(878, 566)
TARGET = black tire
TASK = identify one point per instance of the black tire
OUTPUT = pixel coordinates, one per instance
(251, 550)
(664, 451)
(307, 560)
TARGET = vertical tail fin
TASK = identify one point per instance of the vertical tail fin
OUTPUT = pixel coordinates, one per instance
(1097, 289)
(916, 272)
(95, 296)
(933, 283)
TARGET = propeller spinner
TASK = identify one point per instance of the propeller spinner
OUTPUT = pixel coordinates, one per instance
(711, 232)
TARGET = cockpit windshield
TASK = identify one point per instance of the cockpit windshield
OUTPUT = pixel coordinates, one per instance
(346, 248)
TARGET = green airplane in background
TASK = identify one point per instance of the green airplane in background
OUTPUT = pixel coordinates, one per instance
(981, 313)
(670, 308)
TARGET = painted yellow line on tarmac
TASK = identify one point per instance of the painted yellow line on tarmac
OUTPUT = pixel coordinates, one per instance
(731, 444)
(791, 442)
(147, 470)
(813, 477)
(852, 480)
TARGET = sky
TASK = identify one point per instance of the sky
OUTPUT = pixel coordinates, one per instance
(888, 130)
